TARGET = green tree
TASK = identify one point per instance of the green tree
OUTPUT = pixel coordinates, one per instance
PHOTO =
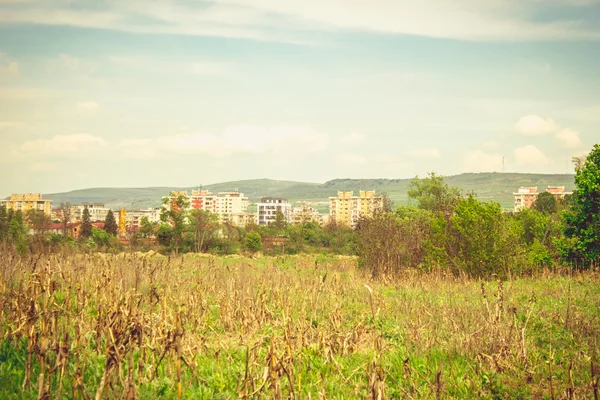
(147, 228)
(86, 224)
(433, 194)
(174, 213)
(280, 223)
(582, 221)
(203, 224)
(3, 224)
(18, 232)
(545, 203)
(253, 241)
(40, 222)
(110, 224)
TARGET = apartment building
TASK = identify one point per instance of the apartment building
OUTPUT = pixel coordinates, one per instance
(347, 209)
(267, 209)
(134, 218)
(26, 202)
(98, 212)
(305, 214)
(231, 207)
(526, 196)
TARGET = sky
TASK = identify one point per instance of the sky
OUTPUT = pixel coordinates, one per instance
(133, 93)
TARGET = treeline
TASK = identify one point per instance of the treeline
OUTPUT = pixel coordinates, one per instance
(451, 230)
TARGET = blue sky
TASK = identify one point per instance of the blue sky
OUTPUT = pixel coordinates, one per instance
(182, 92)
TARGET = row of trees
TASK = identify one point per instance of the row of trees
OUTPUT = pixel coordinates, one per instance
(447, 229)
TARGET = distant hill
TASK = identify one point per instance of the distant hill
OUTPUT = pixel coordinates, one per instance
(486, 186)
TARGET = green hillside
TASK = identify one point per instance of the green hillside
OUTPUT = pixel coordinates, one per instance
(486, 186)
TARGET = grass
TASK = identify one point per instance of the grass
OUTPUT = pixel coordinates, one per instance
(99, 326)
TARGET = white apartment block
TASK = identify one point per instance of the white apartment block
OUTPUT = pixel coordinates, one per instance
(231, 207)
(134, 218)
(266, 210)
(305, 214)
(98, 212)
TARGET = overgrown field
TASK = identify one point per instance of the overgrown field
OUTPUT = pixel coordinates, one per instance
(132, 326)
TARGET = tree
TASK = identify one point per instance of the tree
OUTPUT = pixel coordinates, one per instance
(39, 220)
(203, 223)
(545, 203)
(174, 212)
(65, 215)
(582, 220)
(433, 194)
(253, 241)
(110, 224)
(86, 224)
(280, 222)
(3, 224)
(18, 232)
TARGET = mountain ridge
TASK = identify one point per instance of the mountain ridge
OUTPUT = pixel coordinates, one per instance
(495, 186)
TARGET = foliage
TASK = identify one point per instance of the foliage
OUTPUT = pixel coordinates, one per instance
(86, 224)
(253, 241)
(203, 224)
(582, 221)
(38, 220)
(18, 233)
(4, 223)
(433, 194)
(110, 224)
(546, 203)
(65, 216)
(174, 213)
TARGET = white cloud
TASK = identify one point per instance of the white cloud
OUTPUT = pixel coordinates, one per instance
(272, 20)
(70, 62)
(568, 138)
(238, 139)
(481, 161)
(354, 139)
(352, 159)
(490, 145)
(532, 125)
(60, 145)
(425, 153)
(89, 106)
(530, 155)
(10, 68)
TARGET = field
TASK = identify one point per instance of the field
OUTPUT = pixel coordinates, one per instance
(149, 326)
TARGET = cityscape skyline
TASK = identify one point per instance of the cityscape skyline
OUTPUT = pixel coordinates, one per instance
(132, 94)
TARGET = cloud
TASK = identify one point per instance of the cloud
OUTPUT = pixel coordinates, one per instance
(70, 62)
(425, 153)
(354, 139)
(89, 106)
(352, 159)
(10, 68)
(532, 125)
(61, 145)
(568, 138)
(287, 20)
(530, 155)
(481, 161)
(237, 139)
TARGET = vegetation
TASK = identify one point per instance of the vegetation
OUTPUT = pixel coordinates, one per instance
(86, 224)
(110, 224)
(148, 326)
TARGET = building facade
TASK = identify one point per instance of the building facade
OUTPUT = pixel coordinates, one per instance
(231, 207)
(134, 218)
(267, 209)
(26, 202)
(526, 196)
(347, 209)
(305, 214)
(98, 212)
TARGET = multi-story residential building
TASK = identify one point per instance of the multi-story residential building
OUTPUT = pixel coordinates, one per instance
(134, 218)
(266, 210)
(26, 202)
(98, 212)
(347, 209)
(231, 207)
(305, 214)
(526, 196)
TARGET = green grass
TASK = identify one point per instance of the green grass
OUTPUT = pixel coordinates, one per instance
(274, 326)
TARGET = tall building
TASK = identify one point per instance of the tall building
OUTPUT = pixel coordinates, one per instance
(134, 217)
(266, 210)
(347, 209)
(305, 214)
(98, 212)
(526, 196)
(26, 202)
(231, 207)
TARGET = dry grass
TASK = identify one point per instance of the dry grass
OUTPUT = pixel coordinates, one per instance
(98, 326)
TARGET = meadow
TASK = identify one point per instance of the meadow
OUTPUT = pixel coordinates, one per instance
(149, 326)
